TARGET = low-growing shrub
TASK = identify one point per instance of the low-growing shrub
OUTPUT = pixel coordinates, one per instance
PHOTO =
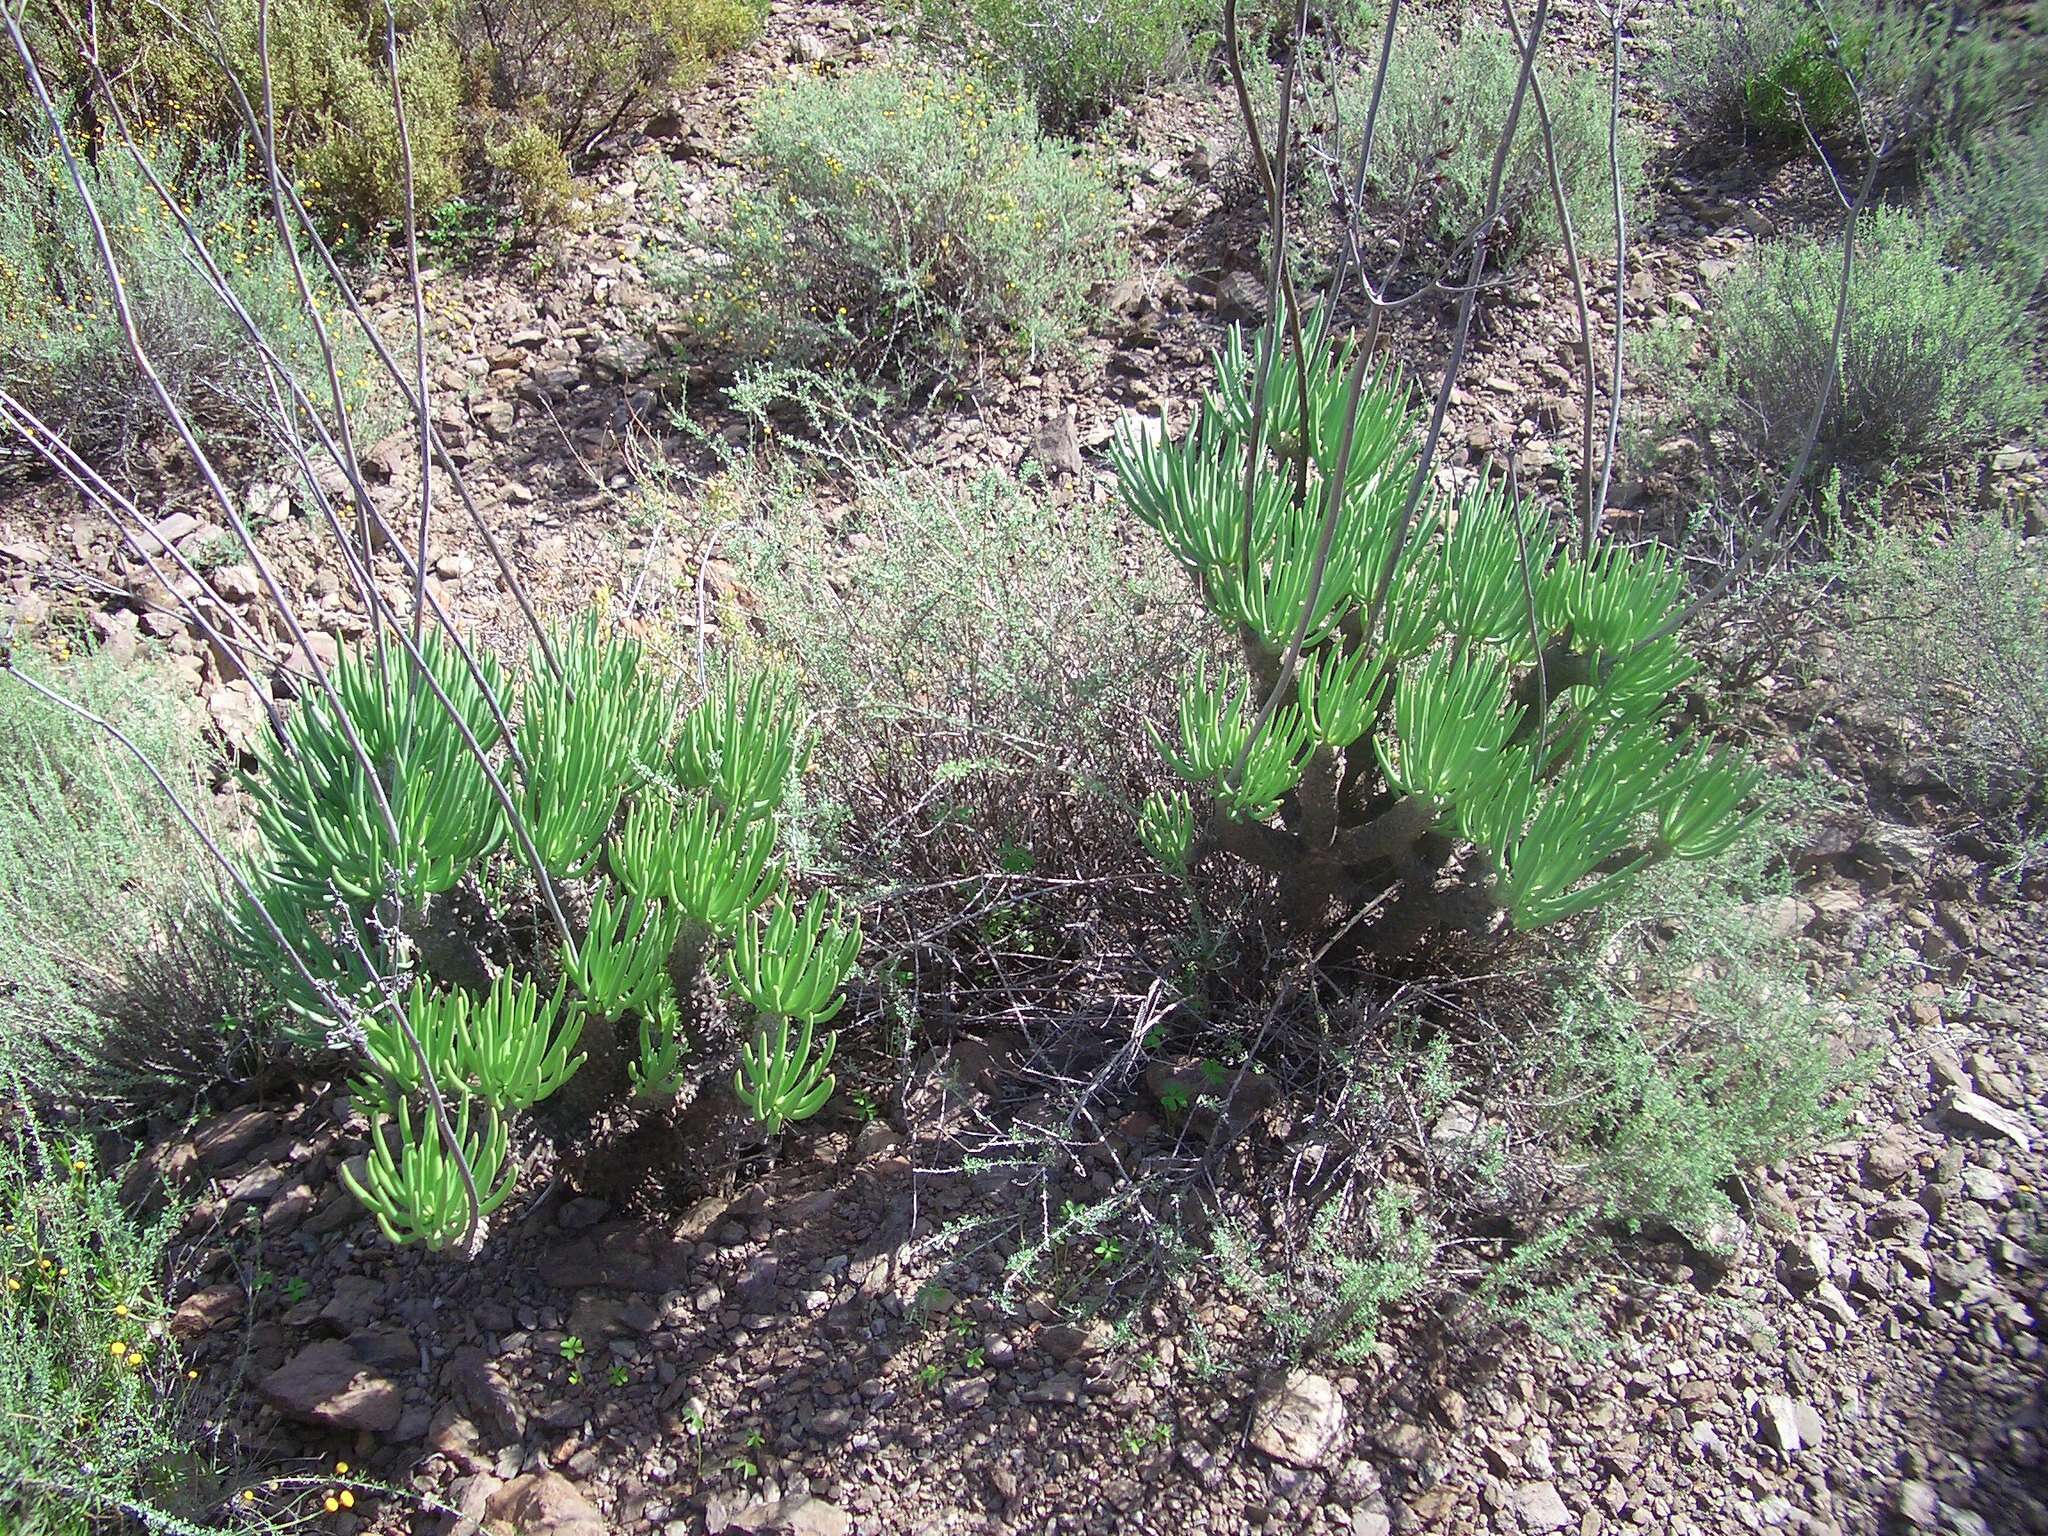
(1934, 358)
(62, 351)
(548, 921)
(90, 1436)
(1078, 57)
(1781, 69)
(1445, 101)
(1689, 1050)
(893, 221)
(1946, 633)
(337, 127)
(477, 76)
(1480, 726)
(982, 670)
(578, 70)
(1992, 204)
(82, 1018)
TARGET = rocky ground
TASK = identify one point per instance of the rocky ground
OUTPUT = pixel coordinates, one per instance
(812, 1346)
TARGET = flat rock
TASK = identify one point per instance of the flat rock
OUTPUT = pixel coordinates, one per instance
(1979, 1116)
(1058, 448)
(1788, 1424)
(798, 1515)
(620, 1256)
(225, 1138)
(1539, 1508)
(206, 1309)
(356, 1299)
(1299, 1419)
(543, 1504)
(1887, 1160)
(330, 1384)
(238, 712)
(493, 1405)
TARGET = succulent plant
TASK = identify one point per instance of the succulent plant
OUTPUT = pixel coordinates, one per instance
(1436, 701)
(499, 921)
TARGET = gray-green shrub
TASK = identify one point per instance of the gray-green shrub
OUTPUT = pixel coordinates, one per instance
(1077, 57)
(475, 74)
(96, 876)
(580, 69)
(898, 221)
(62, 351)
(1934, 358)
(1992, 203)
(1781, 68)
(1445, 101)
(1946, 633)
(982, 670)
(1688, 1048)
(91, 1435)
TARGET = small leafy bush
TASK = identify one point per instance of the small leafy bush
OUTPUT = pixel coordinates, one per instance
(1481, 722)
(338, 130)
(1947, 633)
(578, 70)
(1779, 69)
(481, 78)
(62, 351)
(569, 933)
(82, 1020)
(1078, 57)
(906, 222)
(1445, 101)
(1688, 1050)
(1934, 358)
(88, 1373)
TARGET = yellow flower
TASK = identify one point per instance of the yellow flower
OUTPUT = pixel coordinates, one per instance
(341, 1469)
(331, 1504)
(117, 1349)
(348, 1500)
(121, 1309)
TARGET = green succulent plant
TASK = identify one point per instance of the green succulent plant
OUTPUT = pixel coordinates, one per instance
(492, 921)
(377, 789)
(712, 868)
(413, 1185)
(656, 1070)
(1166, 826)
(432, 1019)
(620, 965)
(780, 1078)
(794, 966)
(1469, 716)
(742, 743)
(513, 1044)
